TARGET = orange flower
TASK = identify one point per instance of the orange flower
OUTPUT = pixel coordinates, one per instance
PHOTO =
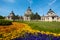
(18, 29)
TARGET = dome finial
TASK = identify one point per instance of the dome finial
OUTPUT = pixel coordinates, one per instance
(12, 11)
(28, 8)
(50, 9)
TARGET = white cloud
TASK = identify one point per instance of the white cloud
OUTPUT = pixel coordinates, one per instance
(30, 1)
(10, 1)
(52, 2)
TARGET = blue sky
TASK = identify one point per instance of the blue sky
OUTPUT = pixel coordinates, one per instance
(20, 6)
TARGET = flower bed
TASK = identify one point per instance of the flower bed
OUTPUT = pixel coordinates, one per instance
(21, 31)
(39, 36)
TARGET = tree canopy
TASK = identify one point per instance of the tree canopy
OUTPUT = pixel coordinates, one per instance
(1, 17)
(35, 16)
(15, 17)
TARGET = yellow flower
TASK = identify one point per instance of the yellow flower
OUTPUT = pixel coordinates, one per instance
(42, 32)
(58, 34)
(47, 33)
(18, 29)
(1, 38)
(54, 34)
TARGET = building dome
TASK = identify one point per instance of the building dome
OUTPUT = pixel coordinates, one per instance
(12, 13)
(28, 9)
(28, 12)
(51, 13)
(50, 10)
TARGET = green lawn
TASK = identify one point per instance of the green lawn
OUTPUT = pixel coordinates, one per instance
(44, 26)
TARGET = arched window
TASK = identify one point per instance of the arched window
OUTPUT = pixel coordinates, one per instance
(52, 17)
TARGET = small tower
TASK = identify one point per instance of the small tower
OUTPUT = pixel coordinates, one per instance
(9, 17)
(27, 14)
(11, 14)
(51, 13)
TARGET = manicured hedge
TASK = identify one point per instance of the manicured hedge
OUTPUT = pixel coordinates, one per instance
(5, 22)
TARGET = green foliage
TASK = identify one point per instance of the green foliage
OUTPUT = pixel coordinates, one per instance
(15, 17)
(44, 26)
(1, 17)
(35, 16)
(5, 22)
(32, 16)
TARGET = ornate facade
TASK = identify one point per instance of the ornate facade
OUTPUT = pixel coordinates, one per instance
(51, 16)
(9, 17)
(27, 14)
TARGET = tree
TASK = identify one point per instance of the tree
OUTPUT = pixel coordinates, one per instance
(15, 17)
(32, 16)
(1, 17)
(37, 16)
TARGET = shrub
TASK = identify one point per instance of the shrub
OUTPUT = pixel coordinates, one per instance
(5, 22)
